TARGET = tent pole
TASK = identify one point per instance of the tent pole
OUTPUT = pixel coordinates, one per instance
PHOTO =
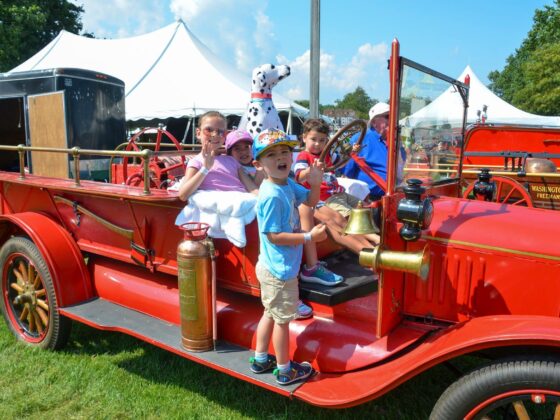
(184, 139)
(289, 123)
(193, 137)
(194, 125)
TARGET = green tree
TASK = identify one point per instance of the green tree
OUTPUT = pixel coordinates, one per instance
(541, 90)
(518, 82)
(303, 102)
(358, 100)
(26, 26)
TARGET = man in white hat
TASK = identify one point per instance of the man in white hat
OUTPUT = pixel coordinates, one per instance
(373, 150)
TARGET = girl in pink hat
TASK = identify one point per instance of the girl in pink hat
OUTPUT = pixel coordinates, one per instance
(239, 145)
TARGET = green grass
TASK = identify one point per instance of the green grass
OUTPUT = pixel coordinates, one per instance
(110, 375)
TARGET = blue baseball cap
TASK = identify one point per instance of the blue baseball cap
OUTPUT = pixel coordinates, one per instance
(272, 137)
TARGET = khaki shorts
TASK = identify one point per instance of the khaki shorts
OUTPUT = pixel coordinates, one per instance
(342, 203)
(279, 297)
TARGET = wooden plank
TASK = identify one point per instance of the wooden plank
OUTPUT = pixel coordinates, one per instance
(47, 126)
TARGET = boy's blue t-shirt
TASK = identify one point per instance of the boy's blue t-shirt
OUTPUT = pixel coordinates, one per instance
(277, 212)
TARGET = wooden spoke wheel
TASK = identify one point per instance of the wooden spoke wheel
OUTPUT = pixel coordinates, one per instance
(515, 389)
(339, 147)
(508, 191)
(28, 299)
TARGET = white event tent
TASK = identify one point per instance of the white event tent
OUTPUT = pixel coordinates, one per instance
(498, 110)
(167, 73)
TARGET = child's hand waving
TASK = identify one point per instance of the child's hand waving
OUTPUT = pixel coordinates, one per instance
(315, 176)
(208, 155)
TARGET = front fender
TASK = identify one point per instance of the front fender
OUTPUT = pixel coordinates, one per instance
(353, 388)
(64, 259)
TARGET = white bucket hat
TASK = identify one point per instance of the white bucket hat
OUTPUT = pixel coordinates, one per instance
(379, 108)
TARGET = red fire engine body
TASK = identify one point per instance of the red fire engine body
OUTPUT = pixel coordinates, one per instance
(105, 254)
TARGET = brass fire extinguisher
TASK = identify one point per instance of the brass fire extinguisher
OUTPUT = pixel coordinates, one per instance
(196, 287)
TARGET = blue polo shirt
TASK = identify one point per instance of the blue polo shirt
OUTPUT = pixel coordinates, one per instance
(374, 152)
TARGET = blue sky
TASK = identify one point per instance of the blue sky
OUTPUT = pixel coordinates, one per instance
(356, 35)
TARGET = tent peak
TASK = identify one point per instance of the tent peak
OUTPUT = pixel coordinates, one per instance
(165, 72)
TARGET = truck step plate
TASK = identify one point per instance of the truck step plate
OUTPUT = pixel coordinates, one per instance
(229, 358)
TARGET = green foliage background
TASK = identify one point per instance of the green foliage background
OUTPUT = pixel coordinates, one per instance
(26, 26)
(530, 80)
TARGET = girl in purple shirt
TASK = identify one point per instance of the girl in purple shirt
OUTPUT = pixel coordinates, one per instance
(209, 170)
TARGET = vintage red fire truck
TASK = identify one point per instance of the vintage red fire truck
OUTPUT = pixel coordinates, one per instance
(523, 161)
(455, 276)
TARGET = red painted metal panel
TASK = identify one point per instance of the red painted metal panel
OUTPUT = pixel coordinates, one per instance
(482, 138)
(353, 388)
(391, 283)
(487, 259)
(334, 342)
(496, 226)
(64, 259)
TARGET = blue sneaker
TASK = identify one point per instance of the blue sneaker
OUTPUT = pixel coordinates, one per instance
(304, 311)
(297, 372)
(262, 367)
(320, 275)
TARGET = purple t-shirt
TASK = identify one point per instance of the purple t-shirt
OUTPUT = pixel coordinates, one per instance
(223, 176)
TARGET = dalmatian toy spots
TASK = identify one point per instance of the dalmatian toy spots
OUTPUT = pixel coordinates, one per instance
(261, 114)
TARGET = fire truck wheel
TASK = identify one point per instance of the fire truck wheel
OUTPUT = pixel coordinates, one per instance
(28, 300)
(504, 390)
(508, 191)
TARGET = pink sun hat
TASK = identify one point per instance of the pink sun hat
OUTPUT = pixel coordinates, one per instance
(235, 137)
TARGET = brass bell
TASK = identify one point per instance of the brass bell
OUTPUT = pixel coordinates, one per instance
(360, 221)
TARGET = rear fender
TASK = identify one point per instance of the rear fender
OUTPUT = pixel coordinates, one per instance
(64, 259)
(353, 388)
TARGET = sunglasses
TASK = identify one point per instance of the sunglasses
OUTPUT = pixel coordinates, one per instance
(208, 131)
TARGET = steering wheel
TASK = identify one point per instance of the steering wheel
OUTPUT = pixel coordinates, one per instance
(340, 150)
(339, 147)
(157, 166)
(508, 191)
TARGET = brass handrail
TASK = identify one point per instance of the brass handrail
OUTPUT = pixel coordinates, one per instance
(473, 172)
(76, 152)
(516, 174)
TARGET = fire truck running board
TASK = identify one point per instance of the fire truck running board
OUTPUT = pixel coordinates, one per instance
(230, 358)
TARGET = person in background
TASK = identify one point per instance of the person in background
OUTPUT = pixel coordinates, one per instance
(209, 170)
(281, 244)
(239, 145)
(373, 150)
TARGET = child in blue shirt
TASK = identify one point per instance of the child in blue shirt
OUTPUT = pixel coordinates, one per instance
(281, 245)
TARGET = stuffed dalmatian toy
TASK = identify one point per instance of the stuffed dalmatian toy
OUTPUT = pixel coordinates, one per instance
(261, 113)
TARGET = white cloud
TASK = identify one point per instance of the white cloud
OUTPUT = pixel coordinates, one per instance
(367, 68)
(122, 18)
(244, 39)
(238, 30)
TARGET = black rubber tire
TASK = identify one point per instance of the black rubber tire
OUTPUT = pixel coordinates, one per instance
(58, 327)
(495, 379)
